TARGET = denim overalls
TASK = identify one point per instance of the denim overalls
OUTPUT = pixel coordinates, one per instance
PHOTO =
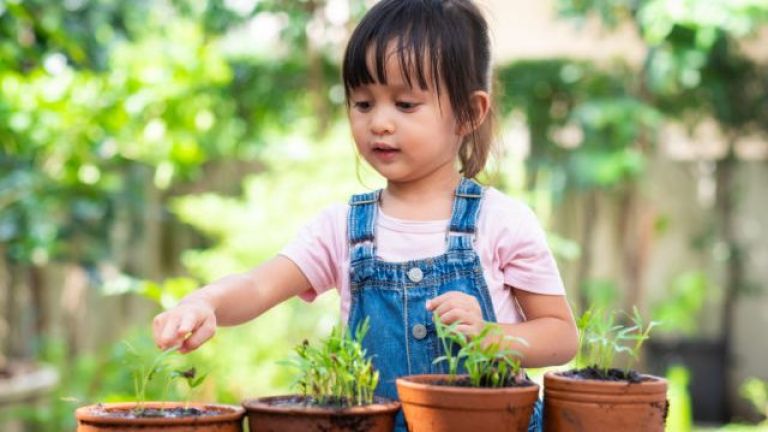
(402, 337)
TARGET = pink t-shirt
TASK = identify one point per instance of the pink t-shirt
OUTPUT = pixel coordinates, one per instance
(509, 240)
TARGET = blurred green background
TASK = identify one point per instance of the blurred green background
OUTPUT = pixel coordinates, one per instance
(147, 147)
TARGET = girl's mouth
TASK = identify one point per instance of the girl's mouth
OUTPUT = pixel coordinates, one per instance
(385, 152)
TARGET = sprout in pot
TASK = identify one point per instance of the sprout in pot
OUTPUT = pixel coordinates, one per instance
(487, 364)
(597, 395)
(145, 415)
(336, 373)
(337, 383)
(602, 339)
(484, 388)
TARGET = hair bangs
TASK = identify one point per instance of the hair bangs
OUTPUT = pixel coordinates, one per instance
(400, 30)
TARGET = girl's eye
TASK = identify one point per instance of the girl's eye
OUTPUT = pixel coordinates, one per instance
(362, 106)
(406, 106)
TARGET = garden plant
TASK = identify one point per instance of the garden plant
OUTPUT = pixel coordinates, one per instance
(484, 387)
(336, 382)
(165, 416)
(598, 395)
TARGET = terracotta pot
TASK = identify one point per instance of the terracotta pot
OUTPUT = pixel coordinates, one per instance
(96, 418)
(572, 404)
(432, 407)
(277, 414)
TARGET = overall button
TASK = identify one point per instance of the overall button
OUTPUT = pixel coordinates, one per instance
(419, 331)
(415, 275)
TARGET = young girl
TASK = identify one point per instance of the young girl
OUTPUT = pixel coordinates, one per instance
(417, 79)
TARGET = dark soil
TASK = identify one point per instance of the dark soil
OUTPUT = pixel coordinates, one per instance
(333, 403)
(170, 412)
(465, 382)
(595, 373)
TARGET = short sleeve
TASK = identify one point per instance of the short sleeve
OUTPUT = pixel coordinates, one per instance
(317, 250)
(523, 254)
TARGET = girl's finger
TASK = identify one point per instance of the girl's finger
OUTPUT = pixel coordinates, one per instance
(450, 299)
(453, 315)
(465, 302)
(442, 298)
(443, 308)
(466, 329)
(169, 332)
(187, 324)
(199, 336)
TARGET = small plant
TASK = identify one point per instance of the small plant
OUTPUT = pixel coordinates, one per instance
(191, 377)
(337, 372)
(158, 369)
(602, 338)
(486, 360)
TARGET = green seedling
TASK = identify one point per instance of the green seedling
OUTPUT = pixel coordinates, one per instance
(451, 341)
(602, 338)
(191, 378)
(158, 369)
(639, 333)
(487, 358)
(337, 372)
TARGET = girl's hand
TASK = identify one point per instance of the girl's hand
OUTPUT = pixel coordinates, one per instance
(188, 325)
(458, 307)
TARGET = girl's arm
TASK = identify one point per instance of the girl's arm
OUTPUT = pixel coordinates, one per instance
(231, 300)
(549, 328)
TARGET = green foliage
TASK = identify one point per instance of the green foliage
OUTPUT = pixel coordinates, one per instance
(586, 123)
(679, 311)
(694, 67)
(338, 371)
(104, 102)
(486, 356)
(602, 338)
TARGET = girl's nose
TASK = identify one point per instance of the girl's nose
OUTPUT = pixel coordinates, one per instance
(381, 123)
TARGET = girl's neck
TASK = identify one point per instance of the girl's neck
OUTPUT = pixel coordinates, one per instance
(426, 199)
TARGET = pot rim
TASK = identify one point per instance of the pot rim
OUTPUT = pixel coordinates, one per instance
(262, 405)
(229, 413)
(422, 382)
(555, 382)
(648, 379)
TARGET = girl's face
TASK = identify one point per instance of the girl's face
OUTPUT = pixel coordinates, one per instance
(405, 133)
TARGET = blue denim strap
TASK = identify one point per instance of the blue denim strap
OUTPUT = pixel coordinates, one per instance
(466, 207)
(361, 224)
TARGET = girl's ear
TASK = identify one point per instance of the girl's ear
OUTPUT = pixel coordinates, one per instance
(480, 101)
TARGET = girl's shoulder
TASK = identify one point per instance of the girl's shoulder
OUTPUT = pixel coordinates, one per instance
(334, 215)
(496, 203)
(504, 219)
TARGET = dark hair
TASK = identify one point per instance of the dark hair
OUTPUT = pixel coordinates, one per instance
(450, 37)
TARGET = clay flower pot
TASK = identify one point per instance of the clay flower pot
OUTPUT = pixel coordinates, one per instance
(113, 417)
(291, 414)
(429, 406)
(573, 404)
